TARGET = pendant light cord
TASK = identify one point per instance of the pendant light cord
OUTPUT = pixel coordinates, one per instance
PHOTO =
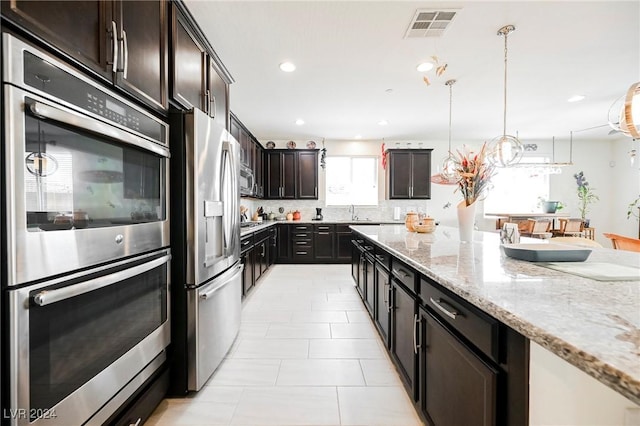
(450, 83)
(504, 118)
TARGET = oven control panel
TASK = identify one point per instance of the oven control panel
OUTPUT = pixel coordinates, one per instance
(112, 111)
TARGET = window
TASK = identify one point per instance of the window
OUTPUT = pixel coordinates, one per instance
(518, 189)
(352, 180)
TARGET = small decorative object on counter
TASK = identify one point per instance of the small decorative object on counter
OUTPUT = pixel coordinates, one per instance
(410, 220)
(271, 216)
(296, 215)
(425, 225)
(290, 216)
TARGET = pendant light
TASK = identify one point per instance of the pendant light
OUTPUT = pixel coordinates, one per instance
(505, 150)
(624, 114)
(449, 165)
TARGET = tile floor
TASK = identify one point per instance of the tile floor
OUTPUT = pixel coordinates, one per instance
(307, 354)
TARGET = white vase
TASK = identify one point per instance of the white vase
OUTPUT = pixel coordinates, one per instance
(466, 219)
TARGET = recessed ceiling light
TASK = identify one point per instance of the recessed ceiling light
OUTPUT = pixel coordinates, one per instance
(358, 136)
(383, 122)
(424, 67)
(299, 122)
(389, 91)
(287, 67)
(576, 98)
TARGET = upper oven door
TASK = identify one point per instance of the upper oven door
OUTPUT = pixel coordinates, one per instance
(79, 191)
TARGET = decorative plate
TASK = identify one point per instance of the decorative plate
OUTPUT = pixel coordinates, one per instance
(291, 145)
(271, 145)
(311, 145)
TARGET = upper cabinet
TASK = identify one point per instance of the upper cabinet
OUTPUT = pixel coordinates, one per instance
(251, 154)
(408, 174)
(124, 42)
(291, 174)
(198, 79)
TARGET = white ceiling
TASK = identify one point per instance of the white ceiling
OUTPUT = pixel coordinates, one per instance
(349, 53)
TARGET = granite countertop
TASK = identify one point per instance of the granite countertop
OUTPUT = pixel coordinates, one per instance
(266, 224)
(594, 325)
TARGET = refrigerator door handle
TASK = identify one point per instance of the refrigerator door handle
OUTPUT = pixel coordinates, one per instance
(229, 190)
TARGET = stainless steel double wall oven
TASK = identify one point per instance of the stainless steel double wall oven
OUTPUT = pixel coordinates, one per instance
(87, 236)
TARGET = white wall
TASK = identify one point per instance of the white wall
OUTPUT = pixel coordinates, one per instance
(605, 164)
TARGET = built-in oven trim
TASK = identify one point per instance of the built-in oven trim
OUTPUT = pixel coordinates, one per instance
(67, 250)
(90, 397)
(13, 72)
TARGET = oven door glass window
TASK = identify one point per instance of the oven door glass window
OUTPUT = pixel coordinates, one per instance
(76, 179)
(72, 340)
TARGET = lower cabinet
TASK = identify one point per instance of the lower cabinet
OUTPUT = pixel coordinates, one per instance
(284, 243)
(369, 287)
(273, 245)
(323, 243)
(343, 244)
(456, 386)
(403, 334)
(382, 313)
(246, 258)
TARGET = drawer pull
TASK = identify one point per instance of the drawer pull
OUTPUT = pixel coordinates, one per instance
(323, 233)
(416, 320)
(301, 235)
(438, 304)
(301, 243)
(301, 227)
(301, 252)
(380, 257)
(402, 272)
(323, 228)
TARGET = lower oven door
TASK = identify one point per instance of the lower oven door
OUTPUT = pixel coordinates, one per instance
(76, 342)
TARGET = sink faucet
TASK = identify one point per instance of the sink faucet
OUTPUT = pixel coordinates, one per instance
(352, 210)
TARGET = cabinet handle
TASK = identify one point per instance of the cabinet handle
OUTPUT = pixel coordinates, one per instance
(438, 304)
(385, 296)
(301, 235)
(262, 254)
(301, 227)
(402, 272)
(380, 257)
(301, 243)
(213, 106)
(323, 233)
(125, 54)
(415, 338)
(137, 423)
(114, 37)
(301, 252)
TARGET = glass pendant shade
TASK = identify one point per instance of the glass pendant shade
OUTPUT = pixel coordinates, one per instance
(449, 169)
(505, 150)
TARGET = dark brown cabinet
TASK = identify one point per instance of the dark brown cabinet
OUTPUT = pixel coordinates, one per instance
(284, 244)
(458, 388)
(198, 78)
(408, 174)
(369, 277)
(403, 332)
(291, 174)
(247, 260)
(323, 242)
(343, 244)
(382, 317)
(251, 153)
(124, 42)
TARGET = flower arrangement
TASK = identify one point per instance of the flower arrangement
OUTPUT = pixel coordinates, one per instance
(474, 173)
(586, 194)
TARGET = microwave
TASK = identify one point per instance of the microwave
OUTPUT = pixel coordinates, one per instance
(247, 181)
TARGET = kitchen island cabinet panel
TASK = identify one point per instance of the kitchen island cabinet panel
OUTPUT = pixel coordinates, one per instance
(403, 332)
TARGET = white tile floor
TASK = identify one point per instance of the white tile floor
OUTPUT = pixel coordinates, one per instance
(307, 354)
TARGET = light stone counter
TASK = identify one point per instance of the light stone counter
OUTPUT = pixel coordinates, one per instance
(594, 325)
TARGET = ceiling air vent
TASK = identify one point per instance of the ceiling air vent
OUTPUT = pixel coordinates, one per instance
(430, 23)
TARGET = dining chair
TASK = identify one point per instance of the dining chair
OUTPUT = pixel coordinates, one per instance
(620, 242)
(538, 228)
(570, 227)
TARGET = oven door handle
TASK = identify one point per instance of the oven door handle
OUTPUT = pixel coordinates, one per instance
(47, 297)
(91, 125)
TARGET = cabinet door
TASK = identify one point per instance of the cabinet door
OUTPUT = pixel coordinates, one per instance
(308, 175)
(245, 147)
(323, 245)
(263, 255)
(273, 246)
(355, 262)
(459, 388)
(399, 175)
(370, 294)
(273, 175)
(403, 322)
(259, 170)
(284, 244)
(383, 307)
(218, 92)
(247, 274)
(288, 180)
(343, 247)
(420, 175)
(81, 29)
(188, 64)
(144, 51)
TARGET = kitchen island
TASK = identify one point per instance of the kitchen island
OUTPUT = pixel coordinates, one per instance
(593, 325)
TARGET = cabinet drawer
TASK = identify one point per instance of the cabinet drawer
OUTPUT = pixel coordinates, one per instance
(246, 243)
(301, 228)
(302, 243)
(404, 274)
(303, 254)
(261, 235)
(301, 235)
(324, 228)
(382, 258)
(343, 228)
(476, 326)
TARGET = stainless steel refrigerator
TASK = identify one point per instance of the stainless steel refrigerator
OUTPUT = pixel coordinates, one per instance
(207, 274)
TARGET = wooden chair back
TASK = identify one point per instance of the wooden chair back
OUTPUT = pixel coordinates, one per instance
(620, 242)
(571, 226)
(538, 228)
